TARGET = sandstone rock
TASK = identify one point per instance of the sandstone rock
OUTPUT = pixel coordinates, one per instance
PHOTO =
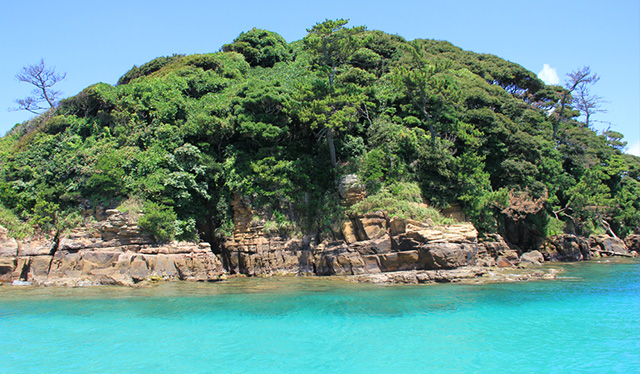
(608, 244)
(404, 242)
(464, 274)
(138, 268)
(260, 255)
(397, 226)
(122, 229)
(371, 264)
(565, 248)
(81, 238)
(351, 190)
(448, 255)
(349, 232)
(459, 233)
(532, 258)
(38, 267)
(338, 259)
(504, 262)
(374, 246)
(7, 266)
(8, 247)
(495, 245)
(633, 242)
(399, 261)
(35, 247)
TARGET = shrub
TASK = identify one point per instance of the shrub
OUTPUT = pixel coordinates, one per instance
(148, 68)
(159, 221)
(401, 200)
(15, 227)
(260, 47)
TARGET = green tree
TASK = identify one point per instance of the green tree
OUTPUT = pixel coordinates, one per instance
(260, 47)
(331, 44)
(428, 85)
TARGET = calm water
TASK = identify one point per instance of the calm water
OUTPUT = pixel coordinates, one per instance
(589, 323)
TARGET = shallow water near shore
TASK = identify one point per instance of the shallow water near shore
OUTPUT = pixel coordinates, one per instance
(588, 321)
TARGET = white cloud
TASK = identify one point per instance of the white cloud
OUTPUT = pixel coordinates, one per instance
(549, 75)
(634, 149)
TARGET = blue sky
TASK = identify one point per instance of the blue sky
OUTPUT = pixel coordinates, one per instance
(98, 41)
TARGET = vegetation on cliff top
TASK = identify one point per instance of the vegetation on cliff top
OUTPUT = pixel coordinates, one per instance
(278, 123)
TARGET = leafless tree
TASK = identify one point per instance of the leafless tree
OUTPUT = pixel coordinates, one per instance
(576, 80)
(43, 95)
(587, 103)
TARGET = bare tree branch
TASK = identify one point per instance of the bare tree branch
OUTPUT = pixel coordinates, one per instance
(43, 96)
(579, 78)
(587, 103)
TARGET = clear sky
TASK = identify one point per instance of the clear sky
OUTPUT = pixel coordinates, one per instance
(98, 41)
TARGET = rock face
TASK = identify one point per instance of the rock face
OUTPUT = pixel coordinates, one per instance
(633, 242)
(112, 252)
(565, 248)
(8, 252)
(372, 246)
(608, 245)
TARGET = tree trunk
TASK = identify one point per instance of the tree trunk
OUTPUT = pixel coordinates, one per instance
(332, 147)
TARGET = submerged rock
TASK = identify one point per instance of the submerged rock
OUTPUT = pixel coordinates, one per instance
(467, 274)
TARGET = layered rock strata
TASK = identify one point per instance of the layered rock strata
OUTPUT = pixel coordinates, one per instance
(370, 247)
(369, 244)
(112, 252)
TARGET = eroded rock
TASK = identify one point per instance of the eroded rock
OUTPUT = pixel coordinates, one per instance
(565, 248)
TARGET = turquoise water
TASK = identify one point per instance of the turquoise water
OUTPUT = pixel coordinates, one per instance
(588, 322)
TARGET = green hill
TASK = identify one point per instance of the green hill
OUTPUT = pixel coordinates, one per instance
(277, 123)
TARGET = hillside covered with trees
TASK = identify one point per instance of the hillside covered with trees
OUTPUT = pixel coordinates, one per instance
(279, 124)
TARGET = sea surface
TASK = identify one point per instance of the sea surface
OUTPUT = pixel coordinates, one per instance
(586, 322)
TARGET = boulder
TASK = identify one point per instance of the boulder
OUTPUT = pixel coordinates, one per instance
(351, 190)
(400, 261)
(565, 247)
(374, 246)
(337, 259)
(532, 258)
(447, 255)
(348, 231)
(370, 226)
(607, 244)
(459, 233)
(633, 242)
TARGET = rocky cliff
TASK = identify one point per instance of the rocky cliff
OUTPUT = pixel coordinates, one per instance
(114, 251)
(371, 246)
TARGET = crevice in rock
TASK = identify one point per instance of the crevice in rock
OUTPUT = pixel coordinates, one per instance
(24, 272)
(226, 259)
(180, 273)
(53, 250)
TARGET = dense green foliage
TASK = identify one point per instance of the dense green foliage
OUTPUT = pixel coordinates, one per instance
(278, 124)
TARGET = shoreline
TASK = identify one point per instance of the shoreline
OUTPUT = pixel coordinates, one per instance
(467, 275)
(376, 249)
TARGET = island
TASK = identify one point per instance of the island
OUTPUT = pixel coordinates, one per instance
(351, 152)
